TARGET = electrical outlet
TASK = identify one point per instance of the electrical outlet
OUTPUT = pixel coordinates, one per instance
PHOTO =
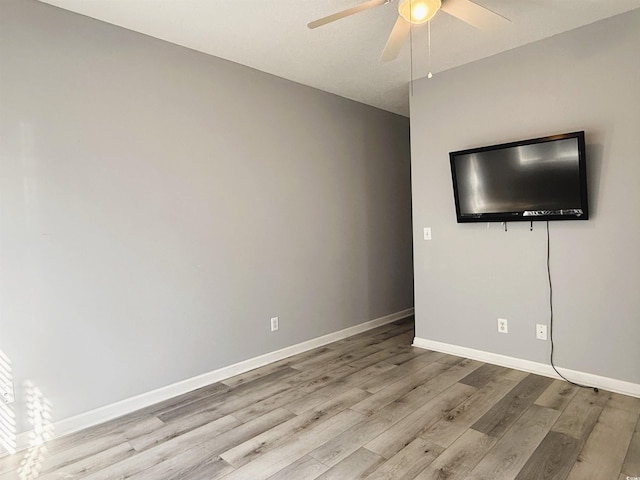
(503, 325)
(274, 324)
(541, 331)
(427, 233)
(6, 393)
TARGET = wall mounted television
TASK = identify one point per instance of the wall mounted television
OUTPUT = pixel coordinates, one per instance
(529, 180)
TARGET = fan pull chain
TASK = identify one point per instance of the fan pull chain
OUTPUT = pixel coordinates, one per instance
(411, 53)
(429, 75)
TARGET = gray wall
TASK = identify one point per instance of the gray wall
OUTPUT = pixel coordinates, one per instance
(471, 274)
(158, 206)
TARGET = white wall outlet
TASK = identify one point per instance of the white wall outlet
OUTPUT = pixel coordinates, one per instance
(541, 331)
(6, 393)
(274, 324)
(503, 325)
(427, 233)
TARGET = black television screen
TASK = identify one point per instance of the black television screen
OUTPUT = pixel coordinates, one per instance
(537, 179)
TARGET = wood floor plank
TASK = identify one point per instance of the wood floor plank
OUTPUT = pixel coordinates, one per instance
(450, 360)
(399, 387)
(9, 464)
(306, 468)
(409, 368)
(357, 378)
(430, 355)
(191, 447)
(255, 374)
(631, 465)
(284, 455)
(258, 384)
(286, 431)
(624, 402)
(84, 448)
(91, 463)
(433, 377)
(208, 391)
(313, 379)
(557, 395)
(411, 353)
(512, 451)
(106, 434)
(262, 372)
(236, 399)
(215, 426)
(408, 462)
(355, 467)
(193, 465)
(516, 375)
(332, 385)
(483, 375)
(447, 430)
(399, 351)
(504, 413)
(211, 406)
(580, 415)
(552, 459)
(435, 406)
(604, 452)
(29, 466)
(294, 360)
(346, 356)
(456, 461)
(312, 400)
(393, 341)
(348, 442)
(279, 400)
(377, 335)
(326, 356)
(555, 456)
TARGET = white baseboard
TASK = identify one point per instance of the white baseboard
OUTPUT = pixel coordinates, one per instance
(605, 383)
(129, 405)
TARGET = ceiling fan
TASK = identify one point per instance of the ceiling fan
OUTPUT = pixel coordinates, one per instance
(416, 12)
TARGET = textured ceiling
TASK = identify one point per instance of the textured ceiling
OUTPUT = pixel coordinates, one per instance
(342, 57)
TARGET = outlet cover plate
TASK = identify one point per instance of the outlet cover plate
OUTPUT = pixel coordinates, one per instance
(541, 331)
(274, 324)
(503, 325)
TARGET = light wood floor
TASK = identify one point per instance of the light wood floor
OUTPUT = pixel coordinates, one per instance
(370, 406)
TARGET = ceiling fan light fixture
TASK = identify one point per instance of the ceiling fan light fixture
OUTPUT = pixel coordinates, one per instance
(418, 11)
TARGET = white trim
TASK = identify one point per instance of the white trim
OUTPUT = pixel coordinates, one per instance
(605, 383)
(129, 405)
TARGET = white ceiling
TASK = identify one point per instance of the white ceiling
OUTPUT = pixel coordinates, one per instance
(342, 57)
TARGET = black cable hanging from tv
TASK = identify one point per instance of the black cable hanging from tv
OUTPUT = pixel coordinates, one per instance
(595, 389)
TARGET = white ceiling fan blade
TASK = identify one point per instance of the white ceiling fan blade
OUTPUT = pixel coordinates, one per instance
(396, 38)
(473, 14)
(345, 13)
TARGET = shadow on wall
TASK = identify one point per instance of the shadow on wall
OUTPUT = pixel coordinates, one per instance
(594, 175)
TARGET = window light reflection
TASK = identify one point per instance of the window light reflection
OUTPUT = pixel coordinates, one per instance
(39, 416)
(7, 415)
